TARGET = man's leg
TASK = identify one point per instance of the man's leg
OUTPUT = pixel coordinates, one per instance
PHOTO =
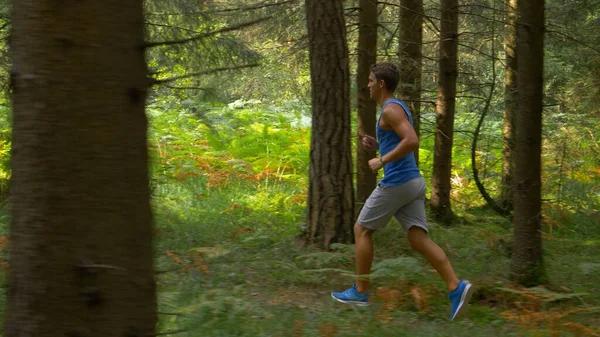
(459, 292)
(376, 213)
(414, 220)
(420, 241)
(364, 255)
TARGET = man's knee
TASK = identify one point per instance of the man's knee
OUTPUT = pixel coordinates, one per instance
(417, 237)
(360, 230)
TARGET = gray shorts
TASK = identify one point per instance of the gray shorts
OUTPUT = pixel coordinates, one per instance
(406, 202)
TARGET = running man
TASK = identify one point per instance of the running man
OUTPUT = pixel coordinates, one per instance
(401, 193)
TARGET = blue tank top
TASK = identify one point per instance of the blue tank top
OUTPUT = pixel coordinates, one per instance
(400, 170)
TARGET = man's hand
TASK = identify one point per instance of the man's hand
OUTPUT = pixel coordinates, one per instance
(369, 143)
(375, 164)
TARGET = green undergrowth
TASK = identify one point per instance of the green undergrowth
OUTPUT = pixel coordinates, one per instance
(231, 260)
(247, 274)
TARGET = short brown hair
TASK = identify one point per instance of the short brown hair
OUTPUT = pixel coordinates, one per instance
(388, 73)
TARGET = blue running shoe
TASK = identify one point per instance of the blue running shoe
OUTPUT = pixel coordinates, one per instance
(352, 296)
(459, 298)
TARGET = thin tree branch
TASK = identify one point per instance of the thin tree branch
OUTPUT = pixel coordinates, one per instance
(490, 201)
(387, 30)
(435, 28)
(388, 44)
(572, 39)
(207, 34)
(420, 101)
(473, 97)
(481, 16)
(170, 313)
(205, 72)
(169, 26)
(189, 88)
(173, 332)
(160, 272)
(471, 5)
(473, 87)
(251, 7)
(478, 51)
(101, 266)
(232, 9)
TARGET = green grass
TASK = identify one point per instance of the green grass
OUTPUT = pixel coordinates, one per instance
(265, 283)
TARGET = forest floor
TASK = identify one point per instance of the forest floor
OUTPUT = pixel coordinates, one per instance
(229, 263)
(228, 267)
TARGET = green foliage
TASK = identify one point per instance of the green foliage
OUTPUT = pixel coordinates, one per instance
(323, 260)
(403, 267)
(5, 148)
(236, 237)
(219, 144)
(570, 163)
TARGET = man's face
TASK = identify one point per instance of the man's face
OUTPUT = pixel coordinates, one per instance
(374, 86)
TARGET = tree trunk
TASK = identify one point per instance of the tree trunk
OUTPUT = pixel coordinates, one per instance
(510, 108)
(81, 250)
(527, 267)
(446, 99)
(330, 192)
(411, 42)
(367, 109)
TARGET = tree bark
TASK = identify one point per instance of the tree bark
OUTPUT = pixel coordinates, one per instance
(445, 107)
(330, 193)
(367, 109)
(510, 108)
(527, 267)
(411, 43)
(81, 233)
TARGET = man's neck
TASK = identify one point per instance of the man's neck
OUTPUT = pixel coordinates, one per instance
(385, 97)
